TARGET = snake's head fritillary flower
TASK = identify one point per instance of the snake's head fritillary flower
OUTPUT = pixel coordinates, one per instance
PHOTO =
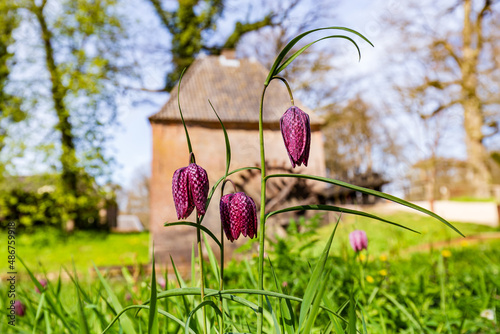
(198, 185)
(19, 308)
(190, 190)
(358, 240)
(43, 283)
(182, 196)
(238, 215)
(296, 131)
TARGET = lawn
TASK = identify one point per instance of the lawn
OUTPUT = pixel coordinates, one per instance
(399, 286)
(51, 249)
(392, 240)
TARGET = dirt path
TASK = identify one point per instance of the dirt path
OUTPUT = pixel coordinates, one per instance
(454, 242)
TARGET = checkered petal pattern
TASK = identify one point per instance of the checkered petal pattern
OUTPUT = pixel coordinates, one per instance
(358, 240)
(224, 215)
(238, 215)
(182, 196)
(296, 131)
(198, 185)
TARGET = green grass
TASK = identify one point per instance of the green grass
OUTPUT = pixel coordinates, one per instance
(388, 239)
(472, 199)
(52, 249)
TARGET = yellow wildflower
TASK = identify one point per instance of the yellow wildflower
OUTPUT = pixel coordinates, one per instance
(383, 272)
(464, 243)
(445, 253)
(362, 257)
(383, 258)
(369, 279)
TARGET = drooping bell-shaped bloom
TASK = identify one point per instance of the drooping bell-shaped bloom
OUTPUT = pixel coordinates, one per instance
(43, 283)
(19, 308)
(190, 190)
(296, 131)
(358, 240)
(238, 214)
(198, 184)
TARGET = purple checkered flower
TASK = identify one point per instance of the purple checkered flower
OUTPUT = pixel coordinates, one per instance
(358, 240)
(190, 190)
(296, 132)
(43, 283)
(19, 308)
(238, 214)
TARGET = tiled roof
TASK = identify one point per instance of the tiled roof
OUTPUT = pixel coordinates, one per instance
(234, 86)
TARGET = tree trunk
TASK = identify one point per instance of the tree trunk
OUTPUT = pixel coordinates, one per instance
(473, 113)
(68, 156)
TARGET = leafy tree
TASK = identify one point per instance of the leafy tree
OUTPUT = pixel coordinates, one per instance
(455, 51)
(81, 42)
(10, 104)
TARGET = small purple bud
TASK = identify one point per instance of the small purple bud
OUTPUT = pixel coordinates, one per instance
(43, 283)
(182, 196)
(296, 131)
(198, 185)
(358, 240)
(19, 308)
(238, 215)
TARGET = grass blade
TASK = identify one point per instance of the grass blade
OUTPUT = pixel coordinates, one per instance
(198, 226)
(226, 139)
(369, 192)
(153, 308)
(294, 41)
(213, 261)
(336, 209)
(296, 54)
(312, 286)
(190, 148)
(126, 323)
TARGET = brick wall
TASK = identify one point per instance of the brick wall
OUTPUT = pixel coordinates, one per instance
(170, 153)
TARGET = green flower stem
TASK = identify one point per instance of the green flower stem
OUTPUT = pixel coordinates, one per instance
(287, 87)
(202, 274)
(221, 286)
(262, 214)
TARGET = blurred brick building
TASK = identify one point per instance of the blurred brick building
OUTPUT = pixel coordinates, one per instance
(234, 86)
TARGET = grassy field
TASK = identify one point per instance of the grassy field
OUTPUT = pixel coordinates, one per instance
(391, 240)
(50, 249)
(395, 287)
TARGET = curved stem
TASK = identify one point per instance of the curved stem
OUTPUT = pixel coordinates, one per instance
(202, 275)
(262, 214)
(221, 283)
(287, 87)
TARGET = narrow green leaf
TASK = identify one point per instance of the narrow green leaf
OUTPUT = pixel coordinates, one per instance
(213, 261)
(369, 192)
(198, 226)
(153, 308)
(82, 319)
(199, 306)
(273, 316)
(39, 311)
(226, 139)
(56, 307)
(352, 314)
(312, 286)
(323, 207)
(286, 309)
(126, 323)
(317, 300)
(294, 41)
(402, 309)
(190, 148)
(131, 307)
(296, 54)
